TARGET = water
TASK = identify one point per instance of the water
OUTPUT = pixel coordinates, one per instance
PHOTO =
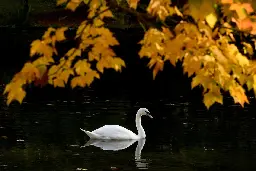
(45, 135)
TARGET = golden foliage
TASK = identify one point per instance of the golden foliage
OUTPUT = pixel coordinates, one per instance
(133, 3)
(207, 47)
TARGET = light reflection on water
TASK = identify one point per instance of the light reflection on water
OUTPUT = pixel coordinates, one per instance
(45, 136)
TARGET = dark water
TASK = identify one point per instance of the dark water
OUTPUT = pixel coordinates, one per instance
(43, 133)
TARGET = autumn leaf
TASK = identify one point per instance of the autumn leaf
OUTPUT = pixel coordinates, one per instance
(82, 67)
(238, 94)
(65, 75)
(211, 97)
(160, 8)
(199, 9)
(105, 12)
(15, 91)
(60, 2)
(30, 71)
(58, 82)
(17, 94)
(84, 80)
(133, 3)
(60, 36)
(211, 19)
(118, 63)
(242, 9)
(41, 48)
(226, 1)
(73, 4)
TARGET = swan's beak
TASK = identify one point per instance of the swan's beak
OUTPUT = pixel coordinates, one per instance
(149, 115)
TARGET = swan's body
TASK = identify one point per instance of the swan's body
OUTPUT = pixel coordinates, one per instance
(116, 132)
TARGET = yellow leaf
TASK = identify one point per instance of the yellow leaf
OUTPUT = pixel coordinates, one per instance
(211, 19)
(40, 47)
(100, 65)
(65, 75)
(238, 94)
(58, 82)
(60, 36)
(200, 9)
(82, 67)
(248, 48)
(60, 2)
(16, 94)
(53, 70)
(98, 22)
(48, 33)
(133, 3)
(211, 97)
(89, 77)
(254, 84)
(118, 64)
(30, 72)
(86, 1)
(105, 12)
(73, 4)
(84, 80)
(36, 44)
(159, 66)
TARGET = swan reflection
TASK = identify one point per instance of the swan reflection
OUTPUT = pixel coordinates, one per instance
(116, 145)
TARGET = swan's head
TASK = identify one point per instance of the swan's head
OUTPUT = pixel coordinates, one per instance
(144, 111)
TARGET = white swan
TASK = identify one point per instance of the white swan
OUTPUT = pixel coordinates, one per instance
(116, 132)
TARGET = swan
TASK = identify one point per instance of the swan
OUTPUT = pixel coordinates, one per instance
(116, 132)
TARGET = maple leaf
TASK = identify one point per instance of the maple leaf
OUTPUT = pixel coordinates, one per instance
(60, 36)
(14, 89)
(211, 19)
(41, 48)
(133, 3)
(82, 67)
(17, 94)
(84, 80)
(211, 97)
(73, 4)
(191, 69)
(58, 82)
(238, 94)
(48, 33)
(242, 9)
(118, 63)
(226, 1)
(200, 9)
(30, 71)
(65, 75)
(243, 24)
(161, 8)
(105, 12)
(60, 2)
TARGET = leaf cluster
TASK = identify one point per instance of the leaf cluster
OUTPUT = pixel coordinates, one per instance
(214, 40)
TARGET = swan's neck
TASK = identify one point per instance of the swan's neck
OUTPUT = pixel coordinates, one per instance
(141, 132)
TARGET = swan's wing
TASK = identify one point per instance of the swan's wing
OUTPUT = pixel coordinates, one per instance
(115, 132)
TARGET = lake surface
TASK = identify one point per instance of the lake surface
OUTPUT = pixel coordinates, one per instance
(43, 133)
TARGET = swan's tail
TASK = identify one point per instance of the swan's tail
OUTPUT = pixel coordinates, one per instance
(90, 134)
